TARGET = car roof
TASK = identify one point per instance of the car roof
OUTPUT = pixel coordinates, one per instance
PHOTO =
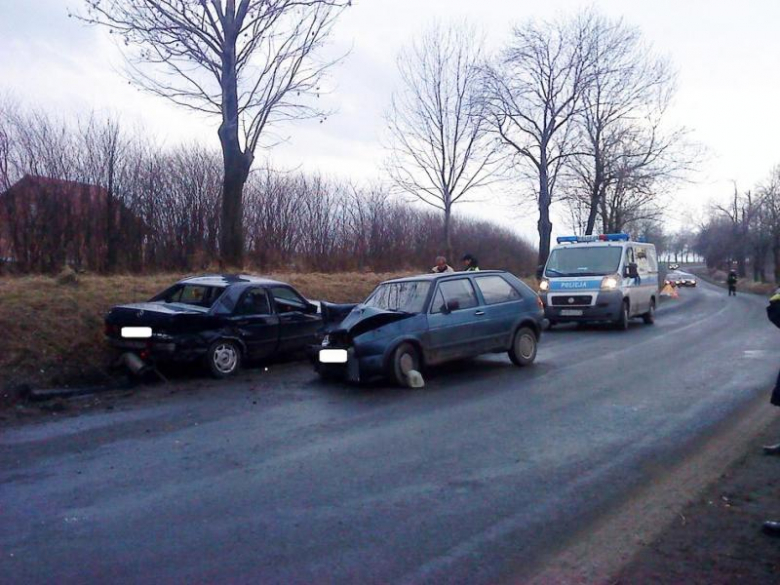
(229, 279)
(439, 276)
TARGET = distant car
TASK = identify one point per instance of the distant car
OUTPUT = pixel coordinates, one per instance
(410, 323)
(219, 319)
(674, 266)
(681, 279)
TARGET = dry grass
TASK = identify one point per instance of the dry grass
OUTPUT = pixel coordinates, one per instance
(52, 328)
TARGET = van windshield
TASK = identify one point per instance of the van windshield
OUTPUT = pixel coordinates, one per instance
(583, 261)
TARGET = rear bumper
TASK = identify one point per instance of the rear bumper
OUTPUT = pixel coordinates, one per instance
(157, 350)
(606, 308)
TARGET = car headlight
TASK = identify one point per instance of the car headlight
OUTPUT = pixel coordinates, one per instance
(544, 286)
(610, 282)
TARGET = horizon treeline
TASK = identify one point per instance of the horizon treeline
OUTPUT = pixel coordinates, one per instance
(160, 210)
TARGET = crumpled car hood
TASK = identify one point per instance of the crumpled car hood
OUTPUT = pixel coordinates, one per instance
(362, 319)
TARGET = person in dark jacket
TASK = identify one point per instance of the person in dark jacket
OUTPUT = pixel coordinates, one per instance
(772, 527)
(470, 263)
(732, 282)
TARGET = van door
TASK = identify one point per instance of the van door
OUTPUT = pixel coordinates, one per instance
(647, 267)
(633, 286)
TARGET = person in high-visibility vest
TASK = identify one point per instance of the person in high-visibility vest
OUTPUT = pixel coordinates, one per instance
(470, 263)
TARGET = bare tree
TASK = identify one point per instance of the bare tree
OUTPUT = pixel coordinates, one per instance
(624, 102)
(441, 150)
(248, 61)
(534, 93)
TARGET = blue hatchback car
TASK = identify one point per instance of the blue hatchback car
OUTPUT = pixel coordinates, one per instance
(409, 323)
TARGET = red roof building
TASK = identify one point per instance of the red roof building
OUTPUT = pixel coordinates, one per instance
(46, 224)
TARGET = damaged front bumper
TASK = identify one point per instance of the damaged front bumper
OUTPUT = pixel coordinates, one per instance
(355, 369)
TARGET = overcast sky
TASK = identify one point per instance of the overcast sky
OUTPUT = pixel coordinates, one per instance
(727, 54)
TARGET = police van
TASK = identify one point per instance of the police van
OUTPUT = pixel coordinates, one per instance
(606, 278)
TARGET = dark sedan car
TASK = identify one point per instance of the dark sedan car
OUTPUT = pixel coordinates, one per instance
(409, 323)
(219, 319)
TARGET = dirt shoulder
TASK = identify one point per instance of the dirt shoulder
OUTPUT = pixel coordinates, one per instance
(717, 538)
(679, 528)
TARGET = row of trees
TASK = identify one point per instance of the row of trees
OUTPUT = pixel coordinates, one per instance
(163, 211)
(576, 107)
(745, 233)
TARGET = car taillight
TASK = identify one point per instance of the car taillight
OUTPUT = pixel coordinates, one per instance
(110, 329)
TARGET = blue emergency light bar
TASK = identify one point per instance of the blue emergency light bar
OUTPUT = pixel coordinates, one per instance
(601, 238)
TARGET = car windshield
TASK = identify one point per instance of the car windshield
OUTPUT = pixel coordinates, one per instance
(191, 294)
(408, 296)
(583, 261)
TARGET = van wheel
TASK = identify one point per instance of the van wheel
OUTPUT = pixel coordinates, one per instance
(223, 358)
(523, 350)
(622, 323)
(405, 359)
(649, 317)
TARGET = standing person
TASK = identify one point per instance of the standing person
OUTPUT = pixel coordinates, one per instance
(772, 527)
(470, 263)
(442, 266)
(732, 281)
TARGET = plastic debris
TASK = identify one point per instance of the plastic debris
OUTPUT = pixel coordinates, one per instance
(415, 379)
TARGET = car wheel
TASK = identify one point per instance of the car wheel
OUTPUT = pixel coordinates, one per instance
(223, 358)
(405, 359)
(523, 350)
(649, 317)
(622, 323)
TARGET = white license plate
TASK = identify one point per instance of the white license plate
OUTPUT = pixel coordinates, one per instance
(136, 332)
(333, 356)
(571, 312)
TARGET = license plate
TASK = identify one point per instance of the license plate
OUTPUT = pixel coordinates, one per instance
(571, 312)
(136, 332)
(333, 356)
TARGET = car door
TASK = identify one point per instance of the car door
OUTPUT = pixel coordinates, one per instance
(299, 321)
(502, 308)
(255, 322)
(452, 321)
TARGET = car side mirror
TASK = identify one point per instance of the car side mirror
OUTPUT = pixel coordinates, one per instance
(632, 271)
(540, 271)
(311, 309)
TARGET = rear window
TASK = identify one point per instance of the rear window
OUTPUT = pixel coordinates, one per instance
(496, 290)
(191, 294)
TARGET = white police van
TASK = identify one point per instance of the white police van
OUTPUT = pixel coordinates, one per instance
(600, 278)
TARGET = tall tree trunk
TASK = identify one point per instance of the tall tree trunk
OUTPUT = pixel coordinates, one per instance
(447, 233)
(544, 225)
(236, 162)
(596, 192)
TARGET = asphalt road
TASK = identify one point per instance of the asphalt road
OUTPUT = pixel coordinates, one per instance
(279, 478)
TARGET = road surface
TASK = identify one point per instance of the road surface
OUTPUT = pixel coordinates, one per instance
(486, 475)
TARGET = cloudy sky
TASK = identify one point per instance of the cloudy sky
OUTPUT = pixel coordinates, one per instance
(727, 54)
